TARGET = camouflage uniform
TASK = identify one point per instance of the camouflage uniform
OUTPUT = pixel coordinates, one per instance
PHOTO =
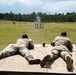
(62, 48)
(22, 47)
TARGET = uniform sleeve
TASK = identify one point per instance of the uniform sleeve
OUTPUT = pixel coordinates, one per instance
(31, 45)
(53, 42)
(70, 47)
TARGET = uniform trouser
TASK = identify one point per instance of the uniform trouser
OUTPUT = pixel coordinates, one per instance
(15, 50)
(60, 52)
(25, 53)
(8, 52)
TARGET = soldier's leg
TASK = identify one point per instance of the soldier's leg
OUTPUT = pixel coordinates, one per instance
(26, 54)
(68, 59)
(8, 52)
(54, 55)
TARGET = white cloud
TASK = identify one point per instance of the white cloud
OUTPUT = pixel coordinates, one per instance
(31, 3)
(60, 6)
(6, 2)
(51, 6)
(28, 3)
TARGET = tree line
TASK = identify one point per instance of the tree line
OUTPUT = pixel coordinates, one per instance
(44, 17)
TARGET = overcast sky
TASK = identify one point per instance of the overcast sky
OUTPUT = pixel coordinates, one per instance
(29, 6)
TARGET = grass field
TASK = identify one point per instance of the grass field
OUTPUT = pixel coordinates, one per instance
(10, 32)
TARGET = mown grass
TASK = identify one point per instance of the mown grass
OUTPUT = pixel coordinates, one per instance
(10, 32)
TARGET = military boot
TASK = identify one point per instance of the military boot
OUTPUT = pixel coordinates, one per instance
(69, 63)
(31, 60)
(45, 60)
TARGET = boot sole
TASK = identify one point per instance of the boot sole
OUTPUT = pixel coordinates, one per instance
(35, 61)
(45, 60)
(69, 63)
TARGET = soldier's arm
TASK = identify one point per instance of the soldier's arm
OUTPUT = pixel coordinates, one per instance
(70, 47)
(53, 42)
(31, 45)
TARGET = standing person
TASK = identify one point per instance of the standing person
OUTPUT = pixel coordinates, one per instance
(22, 47)
(63, 48)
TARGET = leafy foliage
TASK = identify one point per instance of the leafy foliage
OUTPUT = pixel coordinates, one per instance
(69, 17)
